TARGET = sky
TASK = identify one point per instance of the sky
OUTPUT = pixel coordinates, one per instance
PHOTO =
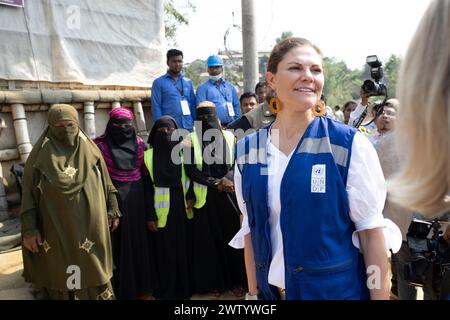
(347, 30)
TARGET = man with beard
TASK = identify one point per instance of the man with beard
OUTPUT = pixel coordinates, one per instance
(67, 200)
(208, 162)
(168, 191)
(123, 151)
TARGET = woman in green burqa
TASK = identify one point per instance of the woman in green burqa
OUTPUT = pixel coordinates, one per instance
(68, 205)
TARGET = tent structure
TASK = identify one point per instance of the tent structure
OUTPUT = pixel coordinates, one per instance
(95, 55)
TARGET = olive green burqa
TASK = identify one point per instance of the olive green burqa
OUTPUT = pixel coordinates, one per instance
(67, 197)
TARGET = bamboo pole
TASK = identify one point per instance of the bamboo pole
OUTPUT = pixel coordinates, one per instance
(115, 104)
(21, 130)
(3, 202)
(89, 118)
(140, 120)
(9, 155)
(76, 105)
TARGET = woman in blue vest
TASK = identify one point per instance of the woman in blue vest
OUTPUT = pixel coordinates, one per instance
(312, 193)
(208, 162)
(168, 190)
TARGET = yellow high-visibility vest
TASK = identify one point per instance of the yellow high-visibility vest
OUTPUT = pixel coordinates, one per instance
(201, 190)
(161, 197)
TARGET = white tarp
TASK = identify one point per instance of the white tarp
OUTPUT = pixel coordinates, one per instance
(14, 3)
(101, 42)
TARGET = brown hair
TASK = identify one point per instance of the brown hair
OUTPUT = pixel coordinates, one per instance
(280, 50)
(348, 104)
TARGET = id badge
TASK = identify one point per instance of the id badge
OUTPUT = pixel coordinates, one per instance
(185, 108)
(230, 109)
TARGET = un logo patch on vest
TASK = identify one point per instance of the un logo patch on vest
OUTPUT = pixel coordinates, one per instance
(318, 178)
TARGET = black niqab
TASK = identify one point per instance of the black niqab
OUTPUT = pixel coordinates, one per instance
(165, 172)
(209, 120)
(122, 143)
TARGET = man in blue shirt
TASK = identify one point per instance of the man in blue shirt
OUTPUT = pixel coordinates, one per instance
(219, 91)
(173, 94)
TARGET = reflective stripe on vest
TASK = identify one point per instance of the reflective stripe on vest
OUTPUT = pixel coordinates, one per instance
(161, 197)
(200, 190)
(323, 145)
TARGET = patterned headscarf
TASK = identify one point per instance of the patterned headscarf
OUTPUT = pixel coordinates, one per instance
(122, 141)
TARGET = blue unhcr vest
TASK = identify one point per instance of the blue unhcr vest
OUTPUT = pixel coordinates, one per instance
(320, 259)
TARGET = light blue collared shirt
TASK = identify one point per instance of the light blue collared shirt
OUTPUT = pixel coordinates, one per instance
(166, 99)
(220, 94)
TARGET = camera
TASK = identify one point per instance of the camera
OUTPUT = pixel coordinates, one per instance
(430, 257)
(375, 87)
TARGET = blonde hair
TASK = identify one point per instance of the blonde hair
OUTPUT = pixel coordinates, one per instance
(423, 127)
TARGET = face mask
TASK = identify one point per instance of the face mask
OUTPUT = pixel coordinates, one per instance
(122, 133)
(164, 140)
(65, 135)
(216, 78)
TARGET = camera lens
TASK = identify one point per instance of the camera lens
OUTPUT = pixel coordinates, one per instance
(368, 86)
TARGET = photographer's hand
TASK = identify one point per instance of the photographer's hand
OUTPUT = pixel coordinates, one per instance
(447, 234)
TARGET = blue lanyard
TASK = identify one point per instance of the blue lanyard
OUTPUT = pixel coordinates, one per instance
(181, 92)
(224, 95)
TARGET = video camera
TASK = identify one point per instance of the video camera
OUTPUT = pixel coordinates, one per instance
(375, 87)
(430, 257)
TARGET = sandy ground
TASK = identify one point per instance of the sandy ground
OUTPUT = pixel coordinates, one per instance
(13, 287)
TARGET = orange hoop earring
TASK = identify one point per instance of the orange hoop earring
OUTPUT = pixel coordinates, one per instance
(319, 109)
(275, 104)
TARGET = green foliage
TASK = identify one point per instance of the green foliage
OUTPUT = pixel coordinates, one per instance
(174, 18)
(284, 35)
(233, 76)
(197, 72)
(343, 84)
(194, 72)
(391, 70)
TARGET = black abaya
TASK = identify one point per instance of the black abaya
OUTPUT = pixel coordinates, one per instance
(134, 253)
(216, 265)
(173, 248)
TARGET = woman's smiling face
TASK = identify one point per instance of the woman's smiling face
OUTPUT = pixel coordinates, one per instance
(299, 79)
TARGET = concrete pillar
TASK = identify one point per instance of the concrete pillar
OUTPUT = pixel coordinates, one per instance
(21, 130)
(115, 104)
(140, 120)
(89, 118)
(3, 202)
(250, 52)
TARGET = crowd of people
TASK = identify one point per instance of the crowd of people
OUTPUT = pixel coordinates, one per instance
(272, 195)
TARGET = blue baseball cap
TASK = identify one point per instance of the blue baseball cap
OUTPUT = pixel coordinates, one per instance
(214, 61)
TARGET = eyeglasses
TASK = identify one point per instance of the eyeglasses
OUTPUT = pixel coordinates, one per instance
(389, 113)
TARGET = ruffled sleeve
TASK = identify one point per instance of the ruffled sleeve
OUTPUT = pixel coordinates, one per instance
(238, 240)
(366, 189)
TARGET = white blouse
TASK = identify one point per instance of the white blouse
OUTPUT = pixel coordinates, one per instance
(366, 190)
